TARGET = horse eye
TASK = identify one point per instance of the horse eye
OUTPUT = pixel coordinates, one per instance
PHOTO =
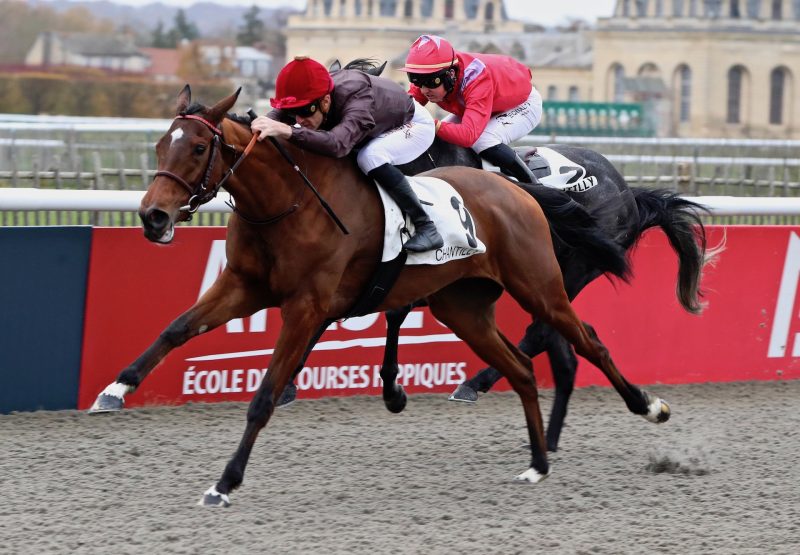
(199, 149)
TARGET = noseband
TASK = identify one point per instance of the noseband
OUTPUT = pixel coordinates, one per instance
(202, 193)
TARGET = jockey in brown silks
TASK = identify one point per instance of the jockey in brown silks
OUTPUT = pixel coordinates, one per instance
(333, 114)
(490, 98)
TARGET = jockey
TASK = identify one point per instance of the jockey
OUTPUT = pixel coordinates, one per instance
(332, 114)
(490, 98)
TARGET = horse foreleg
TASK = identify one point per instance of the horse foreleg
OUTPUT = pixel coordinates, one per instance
(394, 397)
(564, 365)
(300, 322)
(227, 298)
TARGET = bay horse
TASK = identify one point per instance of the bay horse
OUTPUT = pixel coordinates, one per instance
(283, 250)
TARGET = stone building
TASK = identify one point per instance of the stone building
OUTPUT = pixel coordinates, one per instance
(725, 68)
(384, 29)
(705, 68)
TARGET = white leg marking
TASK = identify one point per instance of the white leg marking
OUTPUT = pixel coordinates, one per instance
(118, 390)
(212, 491)
(531, 476)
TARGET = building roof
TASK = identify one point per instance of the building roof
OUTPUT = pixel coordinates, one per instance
(89, 44)
(163, 61)
(546, 49)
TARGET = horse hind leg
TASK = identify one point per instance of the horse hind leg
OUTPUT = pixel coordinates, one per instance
(546, 299)
(469, 312)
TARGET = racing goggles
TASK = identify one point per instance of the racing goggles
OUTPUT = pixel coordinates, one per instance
(303, 111)
(427, 80)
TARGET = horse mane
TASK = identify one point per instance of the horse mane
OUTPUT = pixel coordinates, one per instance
(193, 108)
(367, 65)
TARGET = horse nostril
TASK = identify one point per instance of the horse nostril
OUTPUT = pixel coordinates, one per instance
(155, 219)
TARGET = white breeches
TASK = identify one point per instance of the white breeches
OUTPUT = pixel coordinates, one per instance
(506, 127)
(400, 145)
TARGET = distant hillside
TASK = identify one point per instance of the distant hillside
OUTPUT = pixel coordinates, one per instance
(209, 17)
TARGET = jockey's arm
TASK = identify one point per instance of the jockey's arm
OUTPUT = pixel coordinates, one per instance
(477, 111)
(356, 121)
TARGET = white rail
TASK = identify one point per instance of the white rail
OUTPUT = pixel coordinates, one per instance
(28, 199)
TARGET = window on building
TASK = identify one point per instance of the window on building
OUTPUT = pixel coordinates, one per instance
(552, 93)
(471, 8)
(619, 83)
(426, 8)
(753, 7)
(659, 8)
(777, 86)
(327, 6)
(387, 7)
(684, 93)
(777, 10)
(796, 6)
(713, 8)
(408, 9)
(488, 12)
(574, 94)
(448, 9)
(641, 8)
(693, 11)
(735, 79)
(518, 51)
(626, 8)
(735, 12)
(677, 8)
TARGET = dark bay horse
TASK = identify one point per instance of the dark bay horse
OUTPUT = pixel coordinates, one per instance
(285, 251)
(623, 213)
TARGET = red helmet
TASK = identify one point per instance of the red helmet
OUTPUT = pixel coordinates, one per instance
(429, 54)
(301, 82)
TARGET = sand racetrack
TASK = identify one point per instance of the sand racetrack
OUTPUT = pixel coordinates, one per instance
(343, 475)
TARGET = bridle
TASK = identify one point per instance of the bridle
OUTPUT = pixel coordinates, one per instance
(202, 193)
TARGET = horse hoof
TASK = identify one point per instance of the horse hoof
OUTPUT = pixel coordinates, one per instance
(398, 402)
(464, 394)
(288, 396)
(657, 409)
(213, 498)
(106, 403)
(532, 476)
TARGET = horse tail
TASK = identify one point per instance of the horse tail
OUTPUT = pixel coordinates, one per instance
(574, 227)
(679, 218)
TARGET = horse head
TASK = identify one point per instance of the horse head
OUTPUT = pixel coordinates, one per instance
(189, 170)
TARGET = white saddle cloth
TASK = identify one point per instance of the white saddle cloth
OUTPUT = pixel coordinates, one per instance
(446, 208)
(565, 174)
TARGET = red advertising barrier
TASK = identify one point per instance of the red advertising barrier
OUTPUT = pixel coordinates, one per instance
(750, 330)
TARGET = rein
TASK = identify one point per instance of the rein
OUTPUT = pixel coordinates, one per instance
(202, 194)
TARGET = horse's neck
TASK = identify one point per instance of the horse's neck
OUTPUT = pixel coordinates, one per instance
(269, 184)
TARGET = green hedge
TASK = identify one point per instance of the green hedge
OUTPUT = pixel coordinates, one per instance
(65, 94)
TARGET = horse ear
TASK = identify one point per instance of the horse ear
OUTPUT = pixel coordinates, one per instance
(218, 110)
(335, 66)
(184, 99)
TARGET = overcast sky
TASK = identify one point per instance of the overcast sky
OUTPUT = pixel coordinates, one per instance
(545, 12)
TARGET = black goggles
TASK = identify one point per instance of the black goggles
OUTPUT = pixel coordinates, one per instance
(303, 111)
(427, 80)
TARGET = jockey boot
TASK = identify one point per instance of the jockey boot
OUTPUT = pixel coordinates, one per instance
(425, 237)
(509, 162)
